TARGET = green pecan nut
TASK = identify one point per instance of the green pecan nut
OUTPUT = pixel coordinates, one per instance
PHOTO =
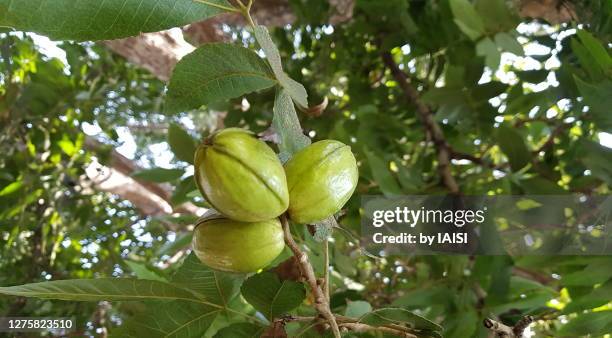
(241, 176)
(321, 179)
(227, 245)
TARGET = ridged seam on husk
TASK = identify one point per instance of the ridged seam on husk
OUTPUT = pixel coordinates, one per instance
(210, 215)
(203, 220)
(319, 162)
(229, 131)
(251, 170)
(196, 174)
(202, 148)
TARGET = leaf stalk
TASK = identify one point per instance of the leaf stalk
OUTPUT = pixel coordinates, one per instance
(222, 7)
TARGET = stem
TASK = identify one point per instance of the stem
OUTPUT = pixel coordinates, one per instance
(321, 304)
(246, 11)
(326, 269)
(212, 4)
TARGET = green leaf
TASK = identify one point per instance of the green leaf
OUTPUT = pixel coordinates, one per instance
(488, 49)
(295, 89)
(512, 144)
(586, 60)
(596, 158)
(497, 15)
(541, 186)
(399, 316)
(445, 95)
(181, 143)
(596, 49)
(599, 297)
(215, 72)
(158, 175)
(182, 190)
(382, 175)
(423, 297)
(358, 308)
(287, 125)
(67, 146)
(100, 20)
(500, 279)
(213, 286)
(592, 324)
(521, 103)
(271, 296)
(11, 188)
(240, 330)
(464, 324)
(508, 43)
(528, 302)
(594, 273)
(142, 272)
(109, 289)
(467, 19)
(177, 319)
(597, 97)
(486, 91)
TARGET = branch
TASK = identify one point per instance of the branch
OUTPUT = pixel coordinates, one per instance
(503, 330)
(348, 323)
(360, 327)
(321, 303)
(156, 52)
(521, 325)
(551, 139)
(553, 11)
(425, 114)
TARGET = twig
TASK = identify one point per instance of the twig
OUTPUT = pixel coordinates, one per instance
(532, 275)
(321, 303)
(426, 115)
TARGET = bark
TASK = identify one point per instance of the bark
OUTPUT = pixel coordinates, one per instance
(156, 52)
(499, 329)
(553, 11)
(159, 52)
(151, 199)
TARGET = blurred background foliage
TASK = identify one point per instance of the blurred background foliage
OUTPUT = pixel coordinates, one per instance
(524, 107)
